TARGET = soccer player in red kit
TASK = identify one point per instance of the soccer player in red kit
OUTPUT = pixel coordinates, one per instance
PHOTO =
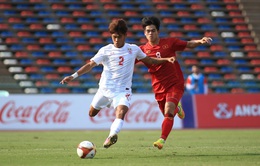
(167, 78)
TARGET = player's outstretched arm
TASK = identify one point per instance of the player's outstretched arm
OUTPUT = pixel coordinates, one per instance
(84, 69)
(196, 43)
(157, 61)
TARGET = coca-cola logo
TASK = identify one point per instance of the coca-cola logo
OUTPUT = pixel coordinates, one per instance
(139, 111)
(50, 111)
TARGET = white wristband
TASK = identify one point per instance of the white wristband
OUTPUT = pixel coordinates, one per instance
(75, 75)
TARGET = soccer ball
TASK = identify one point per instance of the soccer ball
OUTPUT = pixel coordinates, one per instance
(86, 150)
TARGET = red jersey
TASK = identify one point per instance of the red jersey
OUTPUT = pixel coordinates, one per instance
(167, 74)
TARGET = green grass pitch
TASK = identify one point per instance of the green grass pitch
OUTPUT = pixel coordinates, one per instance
(134, 148)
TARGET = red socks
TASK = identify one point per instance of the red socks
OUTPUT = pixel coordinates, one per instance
(167, 126)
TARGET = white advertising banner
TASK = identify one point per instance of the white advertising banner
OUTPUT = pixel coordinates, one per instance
(69, 112)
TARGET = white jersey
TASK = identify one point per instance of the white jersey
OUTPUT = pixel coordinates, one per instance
(118, 65)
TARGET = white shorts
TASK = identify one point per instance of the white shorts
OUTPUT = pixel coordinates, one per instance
(107, 97)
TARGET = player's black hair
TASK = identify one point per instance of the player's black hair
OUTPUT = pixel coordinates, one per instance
(146, 21)
(118, 26)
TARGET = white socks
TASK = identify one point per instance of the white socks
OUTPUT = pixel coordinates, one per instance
(116, 126)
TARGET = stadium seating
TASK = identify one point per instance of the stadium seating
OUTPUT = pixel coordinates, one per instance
(43, 41)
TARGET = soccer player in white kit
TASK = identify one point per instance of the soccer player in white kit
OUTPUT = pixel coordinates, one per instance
(118, 60)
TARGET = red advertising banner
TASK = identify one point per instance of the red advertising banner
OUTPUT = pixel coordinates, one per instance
(227, 111)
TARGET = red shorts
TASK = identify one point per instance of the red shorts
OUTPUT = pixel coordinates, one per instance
(173, 94)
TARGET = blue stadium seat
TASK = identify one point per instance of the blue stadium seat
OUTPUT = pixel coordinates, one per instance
(37, 76)
(187, 54)
(43, 13)
(59, 61)
(17, 47)
(41, 33)
(61, 40)
(66, 47)
(50, 47)
(29, 40)
(173, 27)
(46, 90)
(220, 54)
(62, 13)
(221, 90)
(71, 54)
(38, 54)
(227, 69)
(76, 62)
(83, 20)
(78, 90)
(214, 76)
(26, 61)
(47, 69)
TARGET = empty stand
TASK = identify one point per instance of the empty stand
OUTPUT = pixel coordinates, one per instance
(43, 41)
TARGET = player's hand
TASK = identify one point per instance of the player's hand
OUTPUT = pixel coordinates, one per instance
(171, 59)
(206, 40)
(66, 80)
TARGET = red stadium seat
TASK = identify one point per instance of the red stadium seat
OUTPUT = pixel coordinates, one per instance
(203, 54)
(191, 61)
(96, 40)
(110, 6)
(253, 54)
(57, 6)
(36, 26)
(4, 26)
(78, 13)
(130, 13)
(41, 83)
(250, 48)
(203, 20)
(92, 7)
(241, 27)
(27, 13)
(244, 34)
(176, 34)
(64, 69)
(210, 69)
(87, 26)
(216, 48)
(168, 20)
(67, 20)
(162, 6)
(52, 76)
(62, 90)
(24, 34)
(11, 40)
(43, 61)
(137, 27)
(53, 54)
(45, 40)
(5, 6)
(247, 41)
(83, 47)
(31, 69)
(255, 62)
(223, 62)
(237, 90)
(14, 20)
(75, 34)
(235, 13)
(197, 6)
(21, 54)
(183, 13)
(230, 76)
(217, 83)
(33, 47)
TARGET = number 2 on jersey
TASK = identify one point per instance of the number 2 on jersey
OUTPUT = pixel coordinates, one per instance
(121, 60)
